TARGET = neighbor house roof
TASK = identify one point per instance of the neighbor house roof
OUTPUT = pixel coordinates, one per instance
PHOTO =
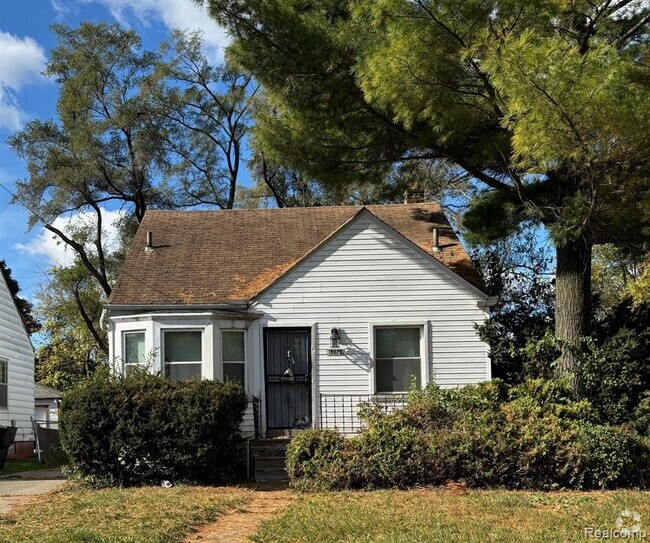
(215, 257)
(42, 392)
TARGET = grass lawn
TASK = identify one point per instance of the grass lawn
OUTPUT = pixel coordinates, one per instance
(137, 515)
(431, 516)
(14, 466)
(50, 461)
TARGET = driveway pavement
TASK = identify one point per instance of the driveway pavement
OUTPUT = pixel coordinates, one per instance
(21, 487)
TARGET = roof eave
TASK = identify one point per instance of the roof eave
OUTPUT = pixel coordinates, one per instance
(235, 304)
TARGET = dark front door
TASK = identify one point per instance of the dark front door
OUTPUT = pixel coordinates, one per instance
(287, 355)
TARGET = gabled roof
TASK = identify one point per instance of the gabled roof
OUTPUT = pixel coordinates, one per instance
(220, 257)
(42, 392)
(5, 292)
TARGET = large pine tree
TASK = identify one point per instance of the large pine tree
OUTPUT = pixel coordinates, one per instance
(544, 104)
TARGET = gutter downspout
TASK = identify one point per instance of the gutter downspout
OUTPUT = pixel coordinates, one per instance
(103, 319)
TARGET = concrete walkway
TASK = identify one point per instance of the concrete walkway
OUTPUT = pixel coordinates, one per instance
(36, 475)
(19, 488)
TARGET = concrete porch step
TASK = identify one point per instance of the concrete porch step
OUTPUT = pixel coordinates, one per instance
(278, 478)
(269, 457)
(264, 463)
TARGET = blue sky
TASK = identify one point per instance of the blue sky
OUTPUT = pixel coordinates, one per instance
(25, 42)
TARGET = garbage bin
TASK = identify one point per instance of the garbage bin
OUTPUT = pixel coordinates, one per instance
(7, 436)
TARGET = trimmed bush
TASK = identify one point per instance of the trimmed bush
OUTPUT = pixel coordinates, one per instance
(143, 429)
(531, 436)
(313, 453)
(642, 415)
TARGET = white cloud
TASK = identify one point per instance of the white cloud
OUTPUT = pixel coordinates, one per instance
(59, 7)
(21, 62)
(58, 253)
(183, 14)
(10, 113)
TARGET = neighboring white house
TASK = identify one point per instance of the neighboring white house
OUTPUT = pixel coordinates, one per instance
(313, 309)
(16, 374)
(47, 401)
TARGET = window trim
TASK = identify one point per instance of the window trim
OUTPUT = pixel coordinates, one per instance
(125, 364)
(164, 363)
(243, 362)
(4, 360)
(423, 326)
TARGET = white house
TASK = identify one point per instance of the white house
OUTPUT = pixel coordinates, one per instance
(313, 309)
(47, 401)
(16, 374)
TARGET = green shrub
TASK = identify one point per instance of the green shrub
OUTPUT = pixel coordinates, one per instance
(142, 428)
(386, 456)
(615, 374)
(611, 457)
(613, 365)
(642, 415)
(530, 436)
(313, 456)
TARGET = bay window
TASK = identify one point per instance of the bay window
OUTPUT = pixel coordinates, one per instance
(134, 355)
(233, 355)
(183, 354)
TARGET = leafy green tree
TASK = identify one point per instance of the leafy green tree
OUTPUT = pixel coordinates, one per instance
(518, 271)
(25, 308)
(102, 149)
(544, 104)
(204, 114)
(620, 272)
(75, 344)
(278, 184)
(135, 129)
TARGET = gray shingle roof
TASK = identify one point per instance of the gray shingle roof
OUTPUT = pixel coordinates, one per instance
(42, 392)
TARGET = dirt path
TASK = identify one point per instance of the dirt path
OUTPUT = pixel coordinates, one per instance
(239, 526)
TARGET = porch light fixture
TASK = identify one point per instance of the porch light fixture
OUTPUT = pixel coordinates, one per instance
(334, 338)
(335, 347)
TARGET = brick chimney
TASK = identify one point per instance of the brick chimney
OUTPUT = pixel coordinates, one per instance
(413, 195)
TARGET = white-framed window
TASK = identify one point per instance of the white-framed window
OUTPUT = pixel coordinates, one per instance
(398, 358)
(134, 355)
(183, 354)
(233, 355)
(4, 383)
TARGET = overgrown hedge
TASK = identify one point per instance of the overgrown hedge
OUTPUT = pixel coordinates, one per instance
(143, 429)
(531, 436)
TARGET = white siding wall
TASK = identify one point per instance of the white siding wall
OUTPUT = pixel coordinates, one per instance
(17, 349)
(46, 413)
(367, 276)
(248, 422)
(364, 277)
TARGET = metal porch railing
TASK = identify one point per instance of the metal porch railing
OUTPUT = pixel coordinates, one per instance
(257, 417)
(341, 411)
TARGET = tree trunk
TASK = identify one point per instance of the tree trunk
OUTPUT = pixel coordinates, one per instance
(572, 299)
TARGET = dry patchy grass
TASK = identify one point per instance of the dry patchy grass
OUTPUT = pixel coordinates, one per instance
(136, 515)
(432, 516)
